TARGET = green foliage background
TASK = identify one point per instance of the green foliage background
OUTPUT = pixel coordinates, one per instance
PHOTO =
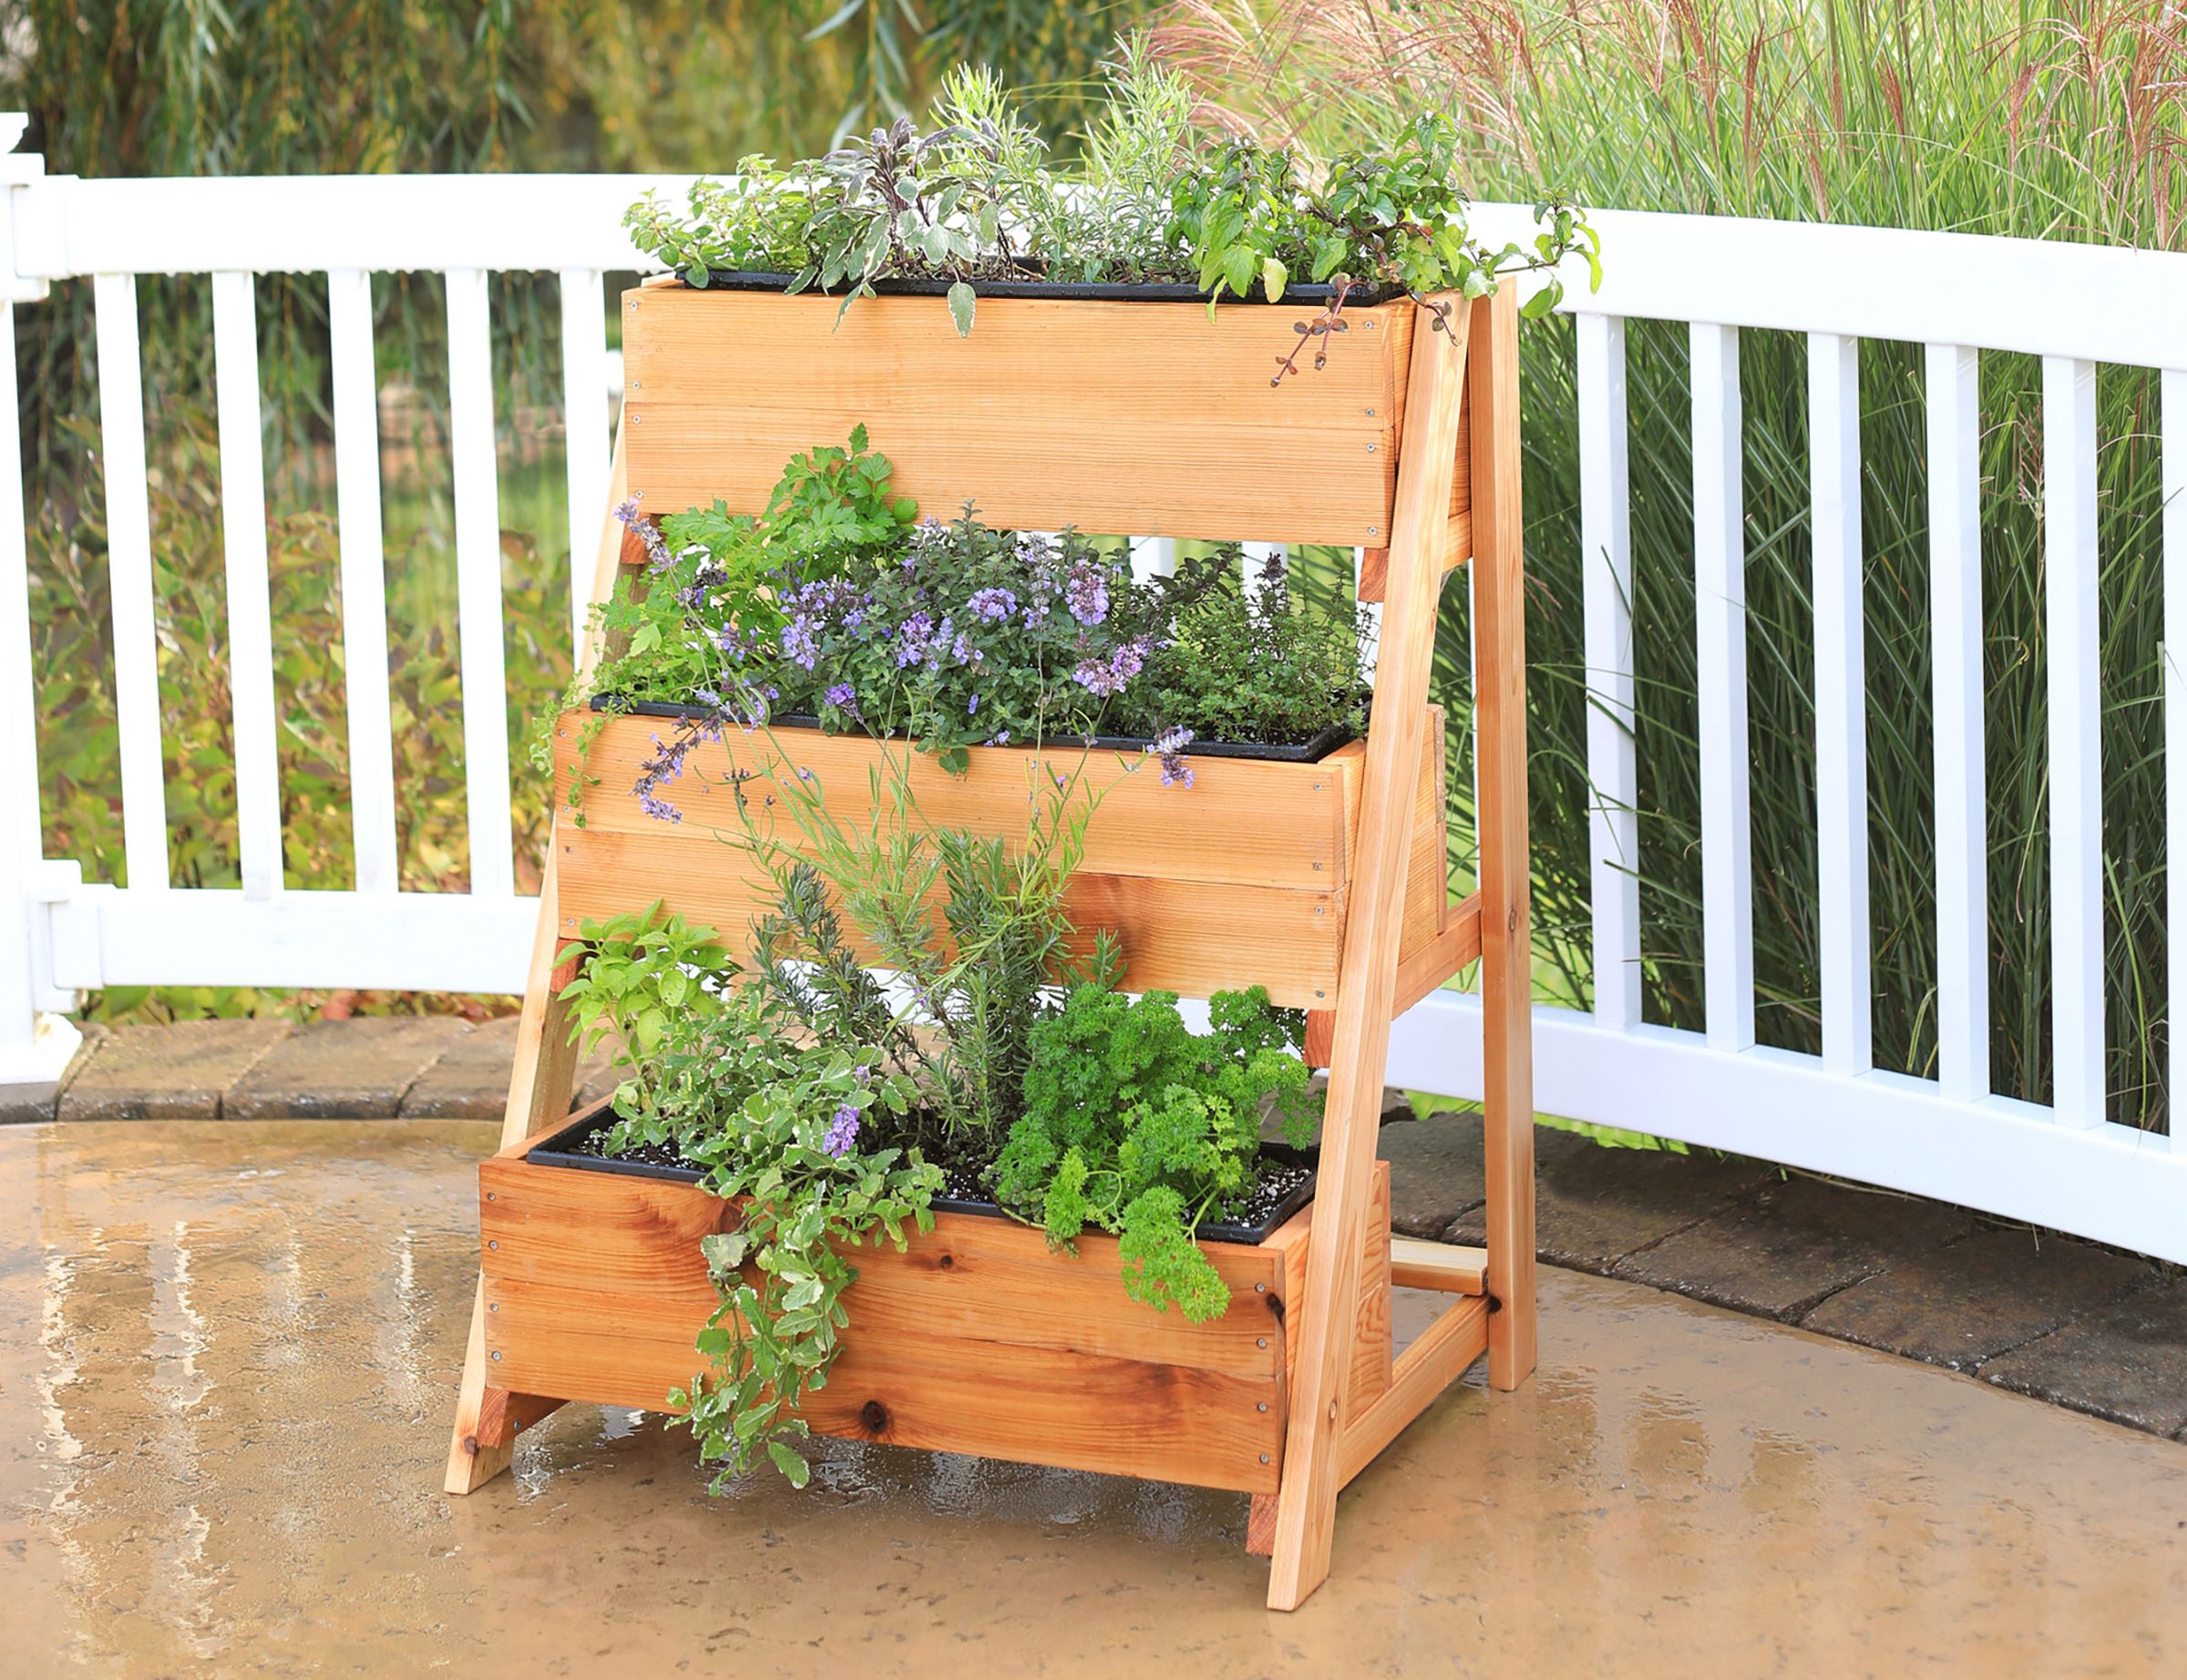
(2038, 119)
(134, 88)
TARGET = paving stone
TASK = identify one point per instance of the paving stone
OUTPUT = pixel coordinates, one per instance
(2126, 1362)
(1436, 1172)
(180, 1071)
(1593, 1205)
(1795, 1241)
(470, 1081)
(1978, 1298)
(344, 1070)
(25, 1104)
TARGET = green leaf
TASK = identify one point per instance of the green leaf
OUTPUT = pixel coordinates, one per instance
(790, 1463)
(1274, 278)
(961, 304)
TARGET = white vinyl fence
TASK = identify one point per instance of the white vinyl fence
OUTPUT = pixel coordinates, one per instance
(2063, 1165)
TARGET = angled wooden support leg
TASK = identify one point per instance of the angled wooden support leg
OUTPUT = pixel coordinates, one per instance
(540, 1088)
(1506, 940)
(1367, 975)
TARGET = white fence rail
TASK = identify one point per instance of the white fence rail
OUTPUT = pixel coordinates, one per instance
(1951, 1137)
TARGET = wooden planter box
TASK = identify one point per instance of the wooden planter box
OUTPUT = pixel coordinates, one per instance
(978, 1337)
(1243, 879)
(1324, 882)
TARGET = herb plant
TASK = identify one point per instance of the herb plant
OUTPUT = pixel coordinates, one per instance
(1135, 1126)
(972, 199)
(1247, 664)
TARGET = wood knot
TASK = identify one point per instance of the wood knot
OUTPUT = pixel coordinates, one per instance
(873, 1416)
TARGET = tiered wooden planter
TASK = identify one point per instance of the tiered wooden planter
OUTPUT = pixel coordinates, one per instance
(1324, 882)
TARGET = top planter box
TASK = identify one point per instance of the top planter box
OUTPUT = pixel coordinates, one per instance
(1140, 419)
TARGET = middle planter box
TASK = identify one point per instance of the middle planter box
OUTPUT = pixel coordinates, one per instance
(1241, 879)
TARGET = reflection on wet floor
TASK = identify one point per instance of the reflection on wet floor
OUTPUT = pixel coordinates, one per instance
(227, 1352)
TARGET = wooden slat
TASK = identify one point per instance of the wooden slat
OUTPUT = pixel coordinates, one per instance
(129, 582)
(1292, 1241)
(1606, 541)
(1036, 415)
(478, 584)
(1419, 972)
(1243, 822)
(2174, 424)
(1721, 630)
(1962, 875)
(626, 1250)
(363, 581)
(249, 599)
(585, 418)
(1192, 938)
(1499, 581)
(1306, 1514)
(1437, 1359)
(1415, 1264)
(1834, 385)
(1371, 579)
(2073, 650)
(503, 1415)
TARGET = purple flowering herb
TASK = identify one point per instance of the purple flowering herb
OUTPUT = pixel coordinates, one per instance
(842, 1133)
(994, 604)
(1087, 594)
(1168, 747)
(657, 556)
(799, 644)
(843, 697)
(973, 708)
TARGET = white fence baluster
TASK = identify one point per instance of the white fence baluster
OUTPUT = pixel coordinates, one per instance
(1833, 396)
(2174, 425)
(1154, 557)
(1720, 626)
(479, 583)
(129, 582)
(1955, 474)
(1606, 540)
(364, 579)
(585, 420)
(2076, 711)
(250, 595)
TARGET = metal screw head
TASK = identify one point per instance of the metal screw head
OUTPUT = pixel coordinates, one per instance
(495, 1354)
(1260, 1341)
(1264, 1457)
(1370, 413)
(1262, 1406)
(1374, 530)
(492, 1196)
(493, 1307)
(1260, 1289)
(1370, 449)
(491, 1244)
(1319, 993)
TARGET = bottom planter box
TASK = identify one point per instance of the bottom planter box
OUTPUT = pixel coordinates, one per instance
(977, 1339)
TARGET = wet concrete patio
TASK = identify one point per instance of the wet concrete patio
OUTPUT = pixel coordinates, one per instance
(227, 1352)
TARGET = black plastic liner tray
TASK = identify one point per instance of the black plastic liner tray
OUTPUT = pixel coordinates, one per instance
(1303, 753)
(1309, 295)
(557, 1151)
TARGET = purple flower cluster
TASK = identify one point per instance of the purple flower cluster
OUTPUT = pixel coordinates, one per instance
(666, 765)
(1107, 677)
(1086, 593)
(842, 1133)
(844, 698)
(1170, 748)
(993, 604)
(657, 556)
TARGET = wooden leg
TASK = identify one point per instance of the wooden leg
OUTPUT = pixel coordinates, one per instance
(1506, 939)
(1367, 975)
(540, 1088)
